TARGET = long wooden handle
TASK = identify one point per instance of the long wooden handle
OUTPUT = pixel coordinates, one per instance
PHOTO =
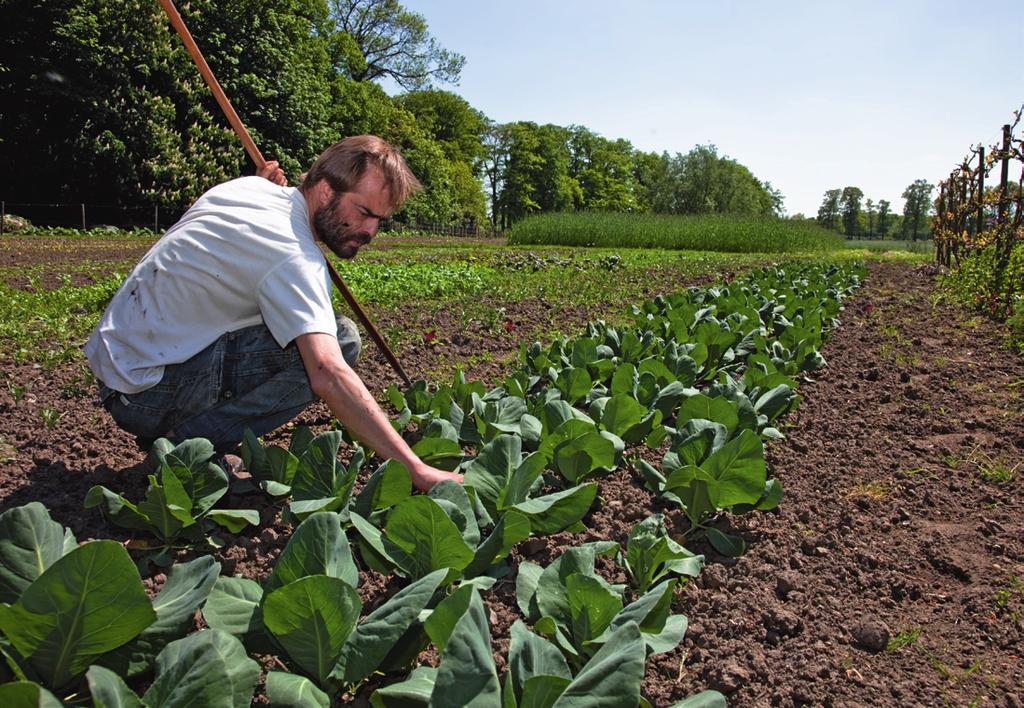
(211, 81)
(370, 328)
(257, 157)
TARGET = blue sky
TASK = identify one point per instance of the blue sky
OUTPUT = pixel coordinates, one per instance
(808, 95)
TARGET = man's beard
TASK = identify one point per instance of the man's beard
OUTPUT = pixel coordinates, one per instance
(337, 234)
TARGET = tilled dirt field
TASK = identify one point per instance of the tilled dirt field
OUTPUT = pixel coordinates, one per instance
(892, 573)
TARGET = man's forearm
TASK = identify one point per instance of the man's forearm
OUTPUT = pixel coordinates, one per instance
(351, 403)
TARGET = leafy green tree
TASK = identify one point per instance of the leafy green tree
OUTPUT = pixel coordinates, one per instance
(707, 183)
(604, 170)
(496, 143)
(883, 217)
(385, 40)
(917, 208)
(828, 212)
(849, 206)
(458, 129)
(108, 106)
(654, 181)
(450, 120)
(870, 211)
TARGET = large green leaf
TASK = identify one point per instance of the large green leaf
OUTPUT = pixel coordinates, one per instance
(704, 699)
(612, 677)
(87, 603)
(467, 674)
(234, 520)
(108, 690)
(446, 615)
(440, 452)
(320, 483)
(373, 638)
(414, 692)
(554, 512)
(621, 413)
(317, 547)
(717, 410)
(30, 542)
(592, 605)
(25, 694)
(187, 588)
(530, 655)
(311, 618)
(293, 691)
(739, 470)
(371, 547)
(511, 528)
(523, 480)
(387, 486)
(421, 538)
(118, 509)
(209, 668)
(574, 383)
(543, 691)
(167, 505)
(551, 591)
(234, 607)
(489, 473)
(454, 498)
(584, 452)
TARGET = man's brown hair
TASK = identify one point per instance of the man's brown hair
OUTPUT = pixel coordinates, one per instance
(343, 164)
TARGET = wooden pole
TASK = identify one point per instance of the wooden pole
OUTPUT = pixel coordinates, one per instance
(3, 216)
(1005, 176)
(981, 190)
(211, 81)
(83, 217)
(257, 157)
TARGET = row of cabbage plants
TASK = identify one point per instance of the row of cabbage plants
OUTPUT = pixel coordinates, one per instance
(701, 377)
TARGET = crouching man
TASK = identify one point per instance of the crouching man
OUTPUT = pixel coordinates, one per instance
(227, 324)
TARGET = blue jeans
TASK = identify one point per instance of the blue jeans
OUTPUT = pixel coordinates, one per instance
(242, 380)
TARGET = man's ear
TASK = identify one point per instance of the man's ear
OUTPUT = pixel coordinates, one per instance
(322, 193)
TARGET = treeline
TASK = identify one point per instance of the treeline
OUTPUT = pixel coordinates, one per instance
(101, 104)
(845, 211)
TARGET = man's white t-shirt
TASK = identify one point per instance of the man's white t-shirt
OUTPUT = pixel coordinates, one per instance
(242, 255)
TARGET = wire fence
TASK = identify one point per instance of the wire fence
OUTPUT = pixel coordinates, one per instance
(971, 216)
(87, 216)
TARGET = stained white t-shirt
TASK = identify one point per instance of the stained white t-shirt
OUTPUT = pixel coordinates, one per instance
(242, 255)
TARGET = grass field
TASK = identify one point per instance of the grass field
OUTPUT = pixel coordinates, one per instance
(729, 234)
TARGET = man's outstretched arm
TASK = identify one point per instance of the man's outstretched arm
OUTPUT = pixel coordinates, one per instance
(334, 381)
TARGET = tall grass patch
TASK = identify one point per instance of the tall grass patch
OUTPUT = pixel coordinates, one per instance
(730, 234)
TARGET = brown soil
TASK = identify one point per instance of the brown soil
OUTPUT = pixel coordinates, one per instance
(892, 573)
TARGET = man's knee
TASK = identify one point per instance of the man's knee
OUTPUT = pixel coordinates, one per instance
(349, 340)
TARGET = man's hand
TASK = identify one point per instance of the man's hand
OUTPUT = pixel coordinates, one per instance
(272, 171)
(333, 380)
(424, 477)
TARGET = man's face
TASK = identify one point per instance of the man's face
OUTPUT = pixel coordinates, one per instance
(348, 221)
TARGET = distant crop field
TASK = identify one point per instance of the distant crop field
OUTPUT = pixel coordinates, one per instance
(892, 245)
(729, 234)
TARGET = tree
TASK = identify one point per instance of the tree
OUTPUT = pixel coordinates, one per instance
(869, 209)
(108, 107)
(849, 205)
(918, 206)
(653, 173)
(458, 129)
(604, 171)
(384, 40)
(828, 212)
(883, 217)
